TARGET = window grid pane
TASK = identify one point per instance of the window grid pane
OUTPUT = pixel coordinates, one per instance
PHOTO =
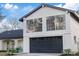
(34, 25)
(55, 22)
(50, 23)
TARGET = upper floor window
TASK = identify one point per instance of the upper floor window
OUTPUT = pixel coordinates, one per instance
(50, 23)
(34, 25)
(55, 22)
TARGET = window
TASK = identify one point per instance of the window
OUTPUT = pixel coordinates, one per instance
(59, 22)
(34, 25)
(55, 22)
(50, 23)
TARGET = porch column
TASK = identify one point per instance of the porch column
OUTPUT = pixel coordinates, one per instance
(1, 45)
(26, 47)
(16, 43)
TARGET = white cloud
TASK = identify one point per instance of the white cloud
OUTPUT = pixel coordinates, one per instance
(59, 5)
(73, 6)
(15, 7)
(4, 23)
(10, 6)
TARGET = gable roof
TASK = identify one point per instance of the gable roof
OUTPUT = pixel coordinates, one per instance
(12, 34)
(72, 13)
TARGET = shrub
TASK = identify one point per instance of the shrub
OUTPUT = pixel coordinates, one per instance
(77, 54)
(19, 49)
(67, 52)
(11, 52)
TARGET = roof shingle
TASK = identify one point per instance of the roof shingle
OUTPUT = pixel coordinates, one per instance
(13, 34)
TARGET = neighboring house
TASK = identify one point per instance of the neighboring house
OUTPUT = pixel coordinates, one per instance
(50, 29)
(11, 39)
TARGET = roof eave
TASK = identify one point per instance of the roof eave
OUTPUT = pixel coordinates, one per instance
(26, 15)
(73, 15)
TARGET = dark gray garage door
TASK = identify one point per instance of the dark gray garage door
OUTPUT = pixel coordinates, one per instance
(46, 45)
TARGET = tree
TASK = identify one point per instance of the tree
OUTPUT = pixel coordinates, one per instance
(12, 22)
(15, 24)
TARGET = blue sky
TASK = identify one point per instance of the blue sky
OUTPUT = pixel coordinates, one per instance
(17, 10)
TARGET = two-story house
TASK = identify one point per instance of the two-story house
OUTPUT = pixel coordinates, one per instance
(50, 29)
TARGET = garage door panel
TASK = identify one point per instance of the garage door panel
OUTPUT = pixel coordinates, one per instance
(46, 45)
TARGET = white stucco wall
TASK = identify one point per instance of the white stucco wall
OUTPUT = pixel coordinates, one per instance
(1, 44)
(44, 12)
(74, 26)
(17, 43)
